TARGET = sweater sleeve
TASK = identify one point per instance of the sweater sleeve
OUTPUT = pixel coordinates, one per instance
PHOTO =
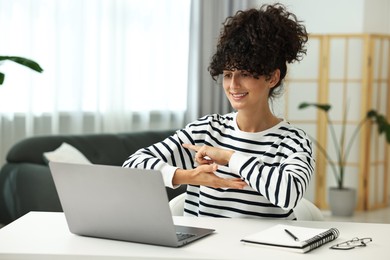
(165, 156)
(283, 184)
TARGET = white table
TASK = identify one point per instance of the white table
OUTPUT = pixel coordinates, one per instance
(43, 235)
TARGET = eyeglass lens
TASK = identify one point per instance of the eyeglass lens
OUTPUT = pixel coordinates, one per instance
(350, 244)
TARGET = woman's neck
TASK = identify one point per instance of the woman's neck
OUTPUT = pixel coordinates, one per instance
(250, 122)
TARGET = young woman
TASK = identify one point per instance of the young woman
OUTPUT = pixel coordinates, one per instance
(247, 163)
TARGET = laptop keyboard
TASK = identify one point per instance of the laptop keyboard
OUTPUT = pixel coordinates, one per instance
(181, 236)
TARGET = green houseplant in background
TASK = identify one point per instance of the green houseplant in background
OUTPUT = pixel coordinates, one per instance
(20, 60)
(337, 165)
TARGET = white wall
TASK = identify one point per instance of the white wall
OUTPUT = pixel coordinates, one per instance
(330, 16)
(376, 16)
(341, 16)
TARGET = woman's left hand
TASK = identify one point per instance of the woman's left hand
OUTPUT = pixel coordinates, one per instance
(207, 154)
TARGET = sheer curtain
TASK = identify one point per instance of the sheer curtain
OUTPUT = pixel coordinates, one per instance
(109, 66)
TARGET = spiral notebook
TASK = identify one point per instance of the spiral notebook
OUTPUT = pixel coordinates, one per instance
(295, 238)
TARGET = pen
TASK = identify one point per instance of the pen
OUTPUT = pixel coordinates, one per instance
(291, 235)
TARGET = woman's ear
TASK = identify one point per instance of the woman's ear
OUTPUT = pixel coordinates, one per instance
(275, 78)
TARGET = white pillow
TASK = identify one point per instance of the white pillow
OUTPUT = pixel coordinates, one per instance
(66, 153)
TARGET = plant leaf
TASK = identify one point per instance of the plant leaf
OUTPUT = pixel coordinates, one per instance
(1, 78)
(372, 114)
(382, 124)
(23, 61)
(324, 107)
(303, 105)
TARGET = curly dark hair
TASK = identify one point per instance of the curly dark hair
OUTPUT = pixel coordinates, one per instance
(260, 41)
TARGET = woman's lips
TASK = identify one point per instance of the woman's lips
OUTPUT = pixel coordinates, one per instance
(238, 96)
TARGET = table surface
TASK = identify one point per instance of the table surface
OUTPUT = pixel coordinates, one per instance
(44, 235)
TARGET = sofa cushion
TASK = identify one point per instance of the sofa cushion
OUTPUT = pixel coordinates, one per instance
(66, 153)
(27, 187)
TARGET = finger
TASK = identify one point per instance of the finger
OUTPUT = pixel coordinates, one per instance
(191, 147)
(235, 183)
(209, 168)
(203, 159)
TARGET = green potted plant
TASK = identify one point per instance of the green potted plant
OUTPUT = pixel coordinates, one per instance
(20, 60)
(337, 206)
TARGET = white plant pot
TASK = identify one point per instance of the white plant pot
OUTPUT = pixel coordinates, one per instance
(342, 202)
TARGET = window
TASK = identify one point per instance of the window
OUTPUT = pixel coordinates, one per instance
(97, 55)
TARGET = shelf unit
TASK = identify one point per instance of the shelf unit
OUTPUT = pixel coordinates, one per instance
(347, 71)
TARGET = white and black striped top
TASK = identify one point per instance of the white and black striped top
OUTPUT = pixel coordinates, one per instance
(276, 163)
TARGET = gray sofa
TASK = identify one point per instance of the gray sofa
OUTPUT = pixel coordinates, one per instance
(25, 179)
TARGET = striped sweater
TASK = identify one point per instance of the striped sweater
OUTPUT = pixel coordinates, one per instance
(277, 164)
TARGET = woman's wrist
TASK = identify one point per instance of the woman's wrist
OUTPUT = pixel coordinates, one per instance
(180, 177)
(229, 154)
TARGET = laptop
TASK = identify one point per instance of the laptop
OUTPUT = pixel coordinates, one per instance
(119, 203)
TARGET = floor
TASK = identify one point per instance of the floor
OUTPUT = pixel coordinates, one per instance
(373, 216)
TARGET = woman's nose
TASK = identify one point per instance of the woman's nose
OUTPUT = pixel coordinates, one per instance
(234, 82)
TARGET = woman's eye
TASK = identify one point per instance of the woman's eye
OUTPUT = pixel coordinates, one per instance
(227, 75)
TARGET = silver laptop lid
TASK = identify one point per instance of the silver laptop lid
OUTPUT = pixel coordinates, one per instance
(115, 203)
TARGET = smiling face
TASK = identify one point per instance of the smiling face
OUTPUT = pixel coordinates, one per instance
(245, 92)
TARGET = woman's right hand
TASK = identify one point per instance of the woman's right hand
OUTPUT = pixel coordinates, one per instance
(204, 175)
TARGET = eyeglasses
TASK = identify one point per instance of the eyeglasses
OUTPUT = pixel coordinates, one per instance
(351, 244)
